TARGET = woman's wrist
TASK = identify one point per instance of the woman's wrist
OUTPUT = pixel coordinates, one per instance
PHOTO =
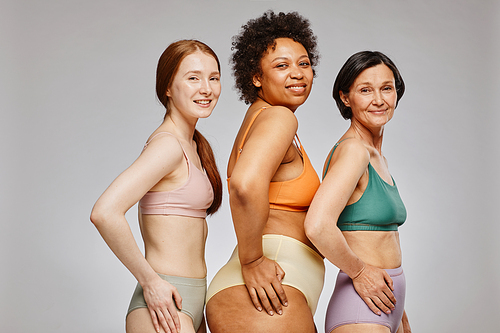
(252, 263)
(359, 272)
(147, 277)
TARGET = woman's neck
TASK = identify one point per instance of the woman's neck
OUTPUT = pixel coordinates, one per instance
(371, 137)
(260, 101)
(180, 126)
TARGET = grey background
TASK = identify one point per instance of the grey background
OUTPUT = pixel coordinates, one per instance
(77, 103)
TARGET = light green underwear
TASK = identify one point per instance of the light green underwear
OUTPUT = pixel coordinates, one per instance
(192, 291)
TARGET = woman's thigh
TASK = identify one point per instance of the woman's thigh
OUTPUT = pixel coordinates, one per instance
(139, 321)
(231, 310)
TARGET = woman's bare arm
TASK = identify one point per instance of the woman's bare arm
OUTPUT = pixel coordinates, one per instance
(264, 150)
(108, 215)
(373, 284)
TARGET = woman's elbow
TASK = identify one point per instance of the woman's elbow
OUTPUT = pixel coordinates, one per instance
(241, 191)
(95, 216)
(98, 215)
(312, 228)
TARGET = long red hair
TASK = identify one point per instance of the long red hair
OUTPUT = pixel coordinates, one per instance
(168, 64)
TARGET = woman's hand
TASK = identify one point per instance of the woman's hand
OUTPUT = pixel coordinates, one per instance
(375, 286)
(263, 281)
(160, 297)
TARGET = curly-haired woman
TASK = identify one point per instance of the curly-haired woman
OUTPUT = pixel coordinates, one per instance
(274, 277)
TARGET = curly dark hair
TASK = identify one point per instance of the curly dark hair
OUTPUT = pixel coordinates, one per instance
(254, 39)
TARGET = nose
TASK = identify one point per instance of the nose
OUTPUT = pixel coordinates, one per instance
(378, 98)
(205, 87)
(296, 72)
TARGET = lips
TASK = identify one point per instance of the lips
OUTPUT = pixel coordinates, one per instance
(378, 111)
(299, 87)
(203, 102)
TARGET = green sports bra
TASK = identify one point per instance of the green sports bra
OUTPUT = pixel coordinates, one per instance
(380, 208)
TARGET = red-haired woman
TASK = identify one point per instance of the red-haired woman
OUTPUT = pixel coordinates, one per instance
(177, 183)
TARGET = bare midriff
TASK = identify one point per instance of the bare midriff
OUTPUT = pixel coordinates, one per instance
(175, 245)
(376, 248)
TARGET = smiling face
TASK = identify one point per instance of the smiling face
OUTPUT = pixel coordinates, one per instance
(196, 87)
(287, 75)
(372, 97)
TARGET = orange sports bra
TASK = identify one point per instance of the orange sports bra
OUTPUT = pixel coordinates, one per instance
(293, 195)
(192, 199)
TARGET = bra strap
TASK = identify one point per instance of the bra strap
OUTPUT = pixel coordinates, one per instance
(154, 136)
(295, 140)
(298, 145)
(331, 154)
(240, 148)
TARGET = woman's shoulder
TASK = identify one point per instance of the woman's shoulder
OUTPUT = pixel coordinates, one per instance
(277, 115)
(348, 154)
(352, 148)
(279, 110)
(163, 143)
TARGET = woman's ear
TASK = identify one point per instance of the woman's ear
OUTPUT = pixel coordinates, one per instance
(256, 81)
(167, 93)
(344, 98)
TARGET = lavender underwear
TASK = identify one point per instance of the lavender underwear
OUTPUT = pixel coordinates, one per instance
(346, 307)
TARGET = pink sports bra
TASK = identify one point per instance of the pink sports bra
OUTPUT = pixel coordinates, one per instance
(192, 199)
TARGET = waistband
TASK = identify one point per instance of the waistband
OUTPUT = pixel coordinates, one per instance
(391, 271)
(292, 240)
(186, 281)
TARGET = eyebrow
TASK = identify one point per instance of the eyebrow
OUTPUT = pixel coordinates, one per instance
(369, 83)
(199, 72)
(286, 58)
